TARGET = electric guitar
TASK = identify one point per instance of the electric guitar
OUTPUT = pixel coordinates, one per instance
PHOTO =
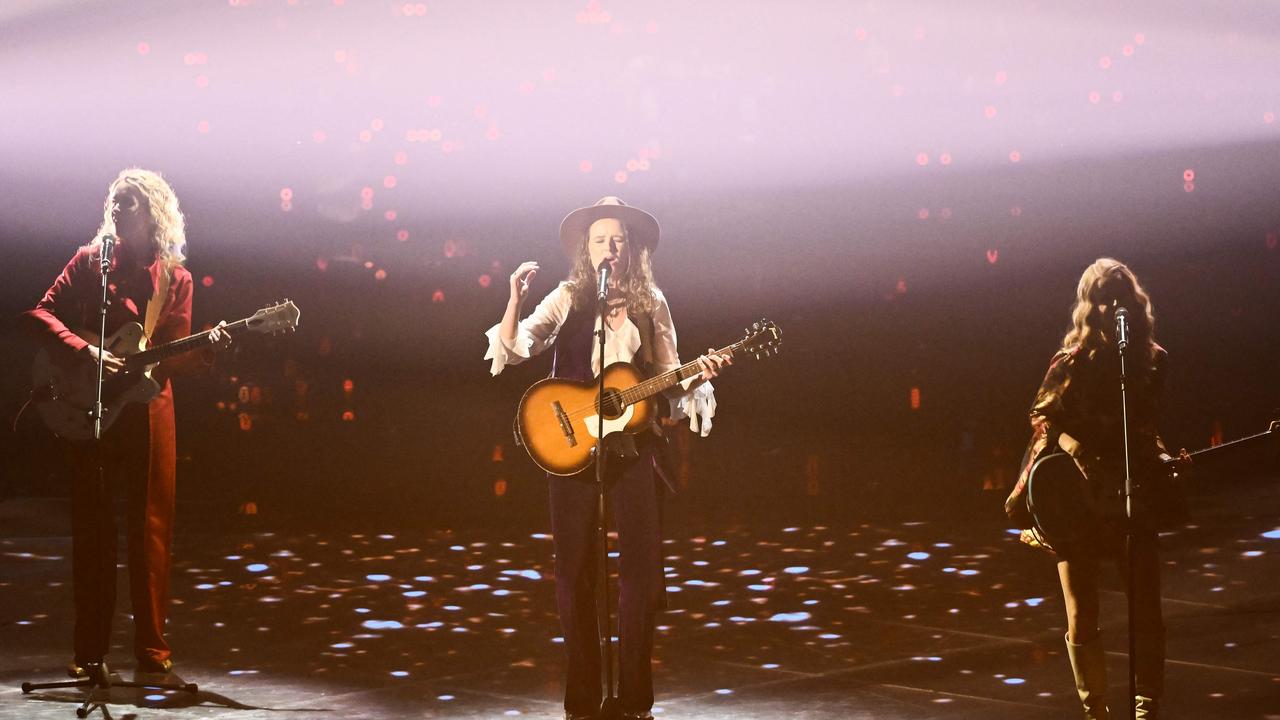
(64, 395)
(1068, 516)
(557, 420)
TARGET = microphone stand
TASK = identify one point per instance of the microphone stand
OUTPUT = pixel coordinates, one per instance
(609, 708)
(98, 677)
(1130, 512)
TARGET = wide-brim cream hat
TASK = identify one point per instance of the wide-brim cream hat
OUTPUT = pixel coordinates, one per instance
(642, 228)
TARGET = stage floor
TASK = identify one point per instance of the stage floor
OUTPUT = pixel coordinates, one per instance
(867, 620)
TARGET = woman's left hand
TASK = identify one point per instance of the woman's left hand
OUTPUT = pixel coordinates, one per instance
(218, 337)
(712, 363)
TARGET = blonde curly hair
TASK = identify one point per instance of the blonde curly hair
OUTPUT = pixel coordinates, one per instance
(168, 227)
(1104, 282)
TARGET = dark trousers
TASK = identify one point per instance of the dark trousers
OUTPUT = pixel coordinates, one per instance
(149, 532)
(635, 497)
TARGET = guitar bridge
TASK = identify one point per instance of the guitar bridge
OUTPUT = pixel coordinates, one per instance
(566, 426)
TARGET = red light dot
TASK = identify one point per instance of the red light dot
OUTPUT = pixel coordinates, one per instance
(318, 137)
(989, 112)
(365, 136)
(368, 264)
(1140, 39)
(901, 287)
(202, 126)
(993, 256)
(437, 296)
(945, 158)
(1272, 238)
(860, 34)
(633, 165)
(347, 415)
(286, 205)
(480, 111)
(499, 487)
(401, 158)
(1188, 175)
(922, 159)
(322, 264)
(915, 398)
(1104, 62)
(526, 88)
(1015, 156)
(202, 81)
(389, 181)
(1268, 117)
(485, 280)
(445, 147)
(945, 214)
(922, 214)
(366, 204)
(620, 177)
(1095, 97)
(389, 215)
(493, 133)
(585, 166)
(366, 193)
(376, 124)
(207, 281)
(549, 75)
(1002, 77)
(144, 48)
(1016, 211)
(340, 56)
(402, 235)
(1127, 50)
(380, 275)
(1117, 96)
(1189, 187)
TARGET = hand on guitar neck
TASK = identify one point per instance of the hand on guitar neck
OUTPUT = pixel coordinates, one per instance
(712, 363)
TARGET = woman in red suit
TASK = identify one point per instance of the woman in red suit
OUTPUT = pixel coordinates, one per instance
(137, 454)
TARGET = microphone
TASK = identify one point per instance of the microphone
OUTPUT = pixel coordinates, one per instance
(108, 249)
(603, 273)
(1122, 328)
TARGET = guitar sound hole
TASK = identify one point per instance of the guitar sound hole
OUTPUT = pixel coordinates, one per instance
(612, 405)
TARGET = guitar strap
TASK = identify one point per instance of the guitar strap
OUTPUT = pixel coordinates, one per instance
(157, 301)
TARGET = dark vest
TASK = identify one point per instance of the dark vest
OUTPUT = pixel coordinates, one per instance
(575, 342)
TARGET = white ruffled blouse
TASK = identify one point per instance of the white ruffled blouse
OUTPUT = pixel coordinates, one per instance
(538, 332)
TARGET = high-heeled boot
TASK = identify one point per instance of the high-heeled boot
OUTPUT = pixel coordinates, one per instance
(1150, 680)
(1089, 665)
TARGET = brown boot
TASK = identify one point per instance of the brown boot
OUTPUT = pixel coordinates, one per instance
(1150, 674)
(1089, 664)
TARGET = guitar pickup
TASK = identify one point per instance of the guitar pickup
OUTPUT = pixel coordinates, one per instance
(566, 426)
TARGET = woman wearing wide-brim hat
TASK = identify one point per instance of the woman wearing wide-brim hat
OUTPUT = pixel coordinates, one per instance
(638, 329)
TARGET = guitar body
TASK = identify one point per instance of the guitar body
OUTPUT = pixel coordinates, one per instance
(64, 395)
(558, 421)
(1067, 516)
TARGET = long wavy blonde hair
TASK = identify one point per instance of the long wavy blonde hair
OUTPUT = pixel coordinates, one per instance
(637, 284)
(168, 227)
(1104, 282)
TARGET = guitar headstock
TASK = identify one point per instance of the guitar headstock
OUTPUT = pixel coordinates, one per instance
(762, 339)
(281, 317)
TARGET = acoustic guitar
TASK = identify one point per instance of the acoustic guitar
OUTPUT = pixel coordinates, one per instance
(64, 395)
(558, 420)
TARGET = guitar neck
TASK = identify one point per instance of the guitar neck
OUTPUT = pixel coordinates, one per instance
(1235, 443)
(186, 344)
(658, 383)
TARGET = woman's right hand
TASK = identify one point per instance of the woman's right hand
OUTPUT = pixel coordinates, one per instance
(110, 363)
(520, 280)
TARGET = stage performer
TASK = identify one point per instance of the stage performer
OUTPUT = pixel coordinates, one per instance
(147, 285)
(1078, 411)
(639, 329)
